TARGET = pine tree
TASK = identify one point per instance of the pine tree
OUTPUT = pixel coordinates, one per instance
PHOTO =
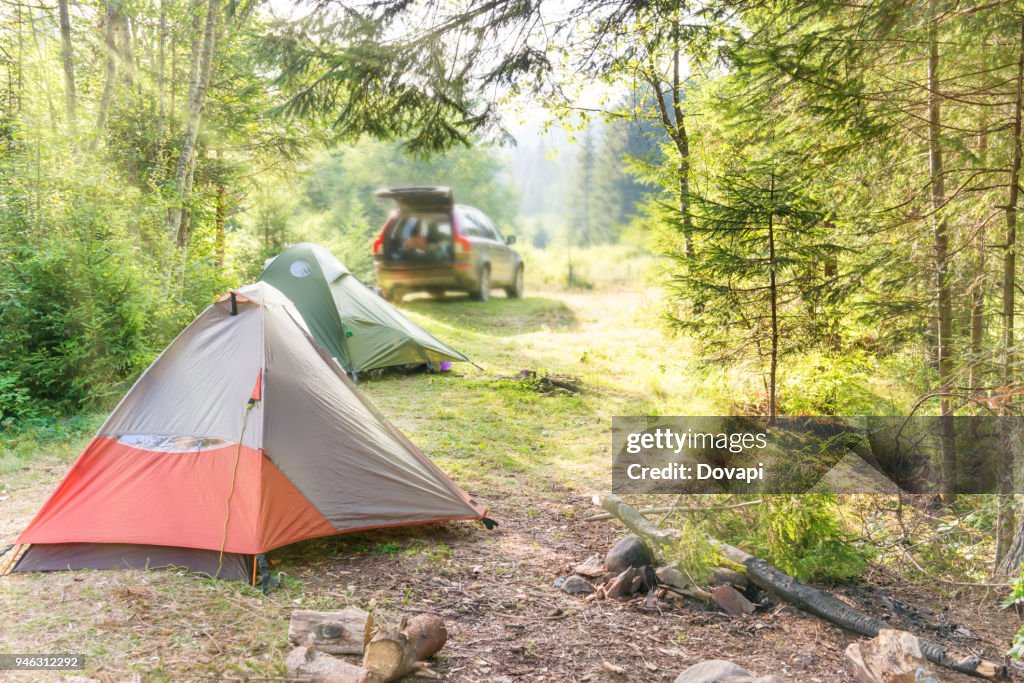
(761, 241)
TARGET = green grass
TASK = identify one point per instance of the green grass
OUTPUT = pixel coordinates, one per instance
(600, 268)
(52, 443)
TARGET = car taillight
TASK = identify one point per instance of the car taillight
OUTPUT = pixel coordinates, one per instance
(462, 245)
(378, 244)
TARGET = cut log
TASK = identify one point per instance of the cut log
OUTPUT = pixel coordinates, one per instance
(892, 657)
(306, 664)
(345, 632)
(809, 599)
(400, 651)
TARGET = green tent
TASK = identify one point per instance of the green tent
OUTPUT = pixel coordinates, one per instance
(356, 326)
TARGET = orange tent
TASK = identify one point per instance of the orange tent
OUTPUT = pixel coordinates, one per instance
(242, 437)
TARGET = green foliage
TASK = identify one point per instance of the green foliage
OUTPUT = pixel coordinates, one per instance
(818, 383)
(604, 267)
(539, 237)
(802, 536)
(694, 555)
(1015, 599)
(90, 290)
(16, 403)
(37, 435)
(92, 284)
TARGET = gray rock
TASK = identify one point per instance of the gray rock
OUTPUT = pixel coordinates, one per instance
(732, 601)
(591, 567)
(576, 585)
(721, 671)
(631, 551)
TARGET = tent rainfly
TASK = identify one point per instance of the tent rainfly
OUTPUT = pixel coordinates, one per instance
(242, 437)
(359, 328)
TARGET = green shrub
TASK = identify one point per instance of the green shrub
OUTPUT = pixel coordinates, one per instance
(91, 289)
(802, 536)
(831, 384)
(694, 555)
(1016, 598)
(16, 404)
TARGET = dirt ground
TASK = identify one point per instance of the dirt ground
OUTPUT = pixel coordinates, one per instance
(509, 622)
(495, 589)
(534, 459)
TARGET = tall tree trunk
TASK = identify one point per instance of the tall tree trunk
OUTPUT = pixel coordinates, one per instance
(68, 61)
(161, 75)
(773, 290)
(979, 285)
(109, 69)
(21, 53)
(682, 141)
(944, 295)
(197, 92)
(41, 76)
(195, 58)
(172, 108)
(1010, 547)
(220, 235)
(126, 51)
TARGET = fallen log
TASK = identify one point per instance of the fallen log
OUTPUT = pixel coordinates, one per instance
(400, 651)
(305, 663)
(809, 599)
(892, 657)
(344, 632)
(604, 516)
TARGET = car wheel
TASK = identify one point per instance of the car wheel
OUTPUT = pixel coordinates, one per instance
(483, 291)
(516, 290)
(394, 295)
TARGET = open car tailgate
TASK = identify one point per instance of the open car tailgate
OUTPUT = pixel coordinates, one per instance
(420, 198)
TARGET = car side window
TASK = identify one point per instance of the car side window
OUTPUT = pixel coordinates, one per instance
(486, 229)
(494, 229)
(469, 226)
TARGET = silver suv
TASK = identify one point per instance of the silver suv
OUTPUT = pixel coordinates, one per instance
(431, 244)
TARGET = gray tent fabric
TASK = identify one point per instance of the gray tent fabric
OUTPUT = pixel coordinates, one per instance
(207, 354)
(61, 556)
(356, 326)
(339, 470)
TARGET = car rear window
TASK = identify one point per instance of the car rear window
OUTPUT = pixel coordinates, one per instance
(420, 232)
(434, 226)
